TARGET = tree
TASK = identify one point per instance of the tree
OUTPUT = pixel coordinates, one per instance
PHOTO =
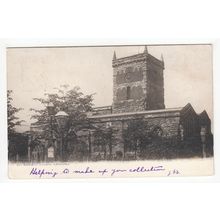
(137, 135)
(105, 137)
(13, 120)
(16, 141)
(72, 101)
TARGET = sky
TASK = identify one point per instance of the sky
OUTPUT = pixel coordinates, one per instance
(33, 71)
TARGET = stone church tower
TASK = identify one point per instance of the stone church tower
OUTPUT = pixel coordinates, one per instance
(138, 83)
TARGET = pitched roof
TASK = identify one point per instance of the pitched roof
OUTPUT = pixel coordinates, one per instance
(203, 116)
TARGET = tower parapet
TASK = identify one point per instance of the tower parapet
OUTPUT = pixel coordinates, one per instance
(138, 83)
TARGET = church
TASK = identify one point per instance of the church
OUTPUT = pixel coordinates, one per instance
(138, 95)
(138, 125)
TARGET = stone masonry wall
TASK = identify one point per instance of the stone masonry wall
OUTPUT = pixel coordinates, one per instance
(155, 85)
(168, 124)
(138, 83)
(130, 74)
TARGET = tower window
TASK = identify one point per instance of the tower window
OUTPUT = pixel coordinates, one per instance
(157, 132)
(128, 92)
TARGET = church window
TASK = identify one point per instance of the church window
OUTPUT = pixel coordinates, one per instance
(157, 132)
(128, 92)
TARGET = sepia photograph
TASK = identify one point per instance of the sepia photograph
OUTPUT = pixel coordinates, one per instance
(109, 109)
(120, 110)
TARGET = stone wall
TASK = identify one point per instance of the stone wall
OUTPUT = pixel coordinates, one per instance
(104, 110)
(129, 74)
(155, 84)
(138, 83)
(167, 121)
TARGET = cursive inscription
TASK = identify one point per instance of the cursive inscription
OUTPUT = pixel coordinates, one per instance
(103, 171)
(42, 172)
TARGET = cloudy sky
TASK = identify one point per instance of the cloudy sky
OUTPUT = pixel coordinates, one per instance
(33, 71)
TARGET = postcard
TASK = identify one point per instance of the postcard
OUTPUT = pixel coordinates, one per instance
(110, 111)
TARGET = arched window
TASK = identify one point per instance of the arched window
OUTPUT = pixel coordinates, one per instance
(157, 132)
(128, 92)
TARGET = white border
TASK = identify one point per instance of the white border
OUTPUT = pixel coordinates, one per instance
(69, 42)
(99, 21)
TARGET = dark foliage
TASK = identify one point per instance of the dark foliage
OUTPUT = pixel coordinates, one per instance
(104, 139)
(17, 143)
(137, 136)
(18, 147)
(76, 105)
(72, 101)
(13, 120)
